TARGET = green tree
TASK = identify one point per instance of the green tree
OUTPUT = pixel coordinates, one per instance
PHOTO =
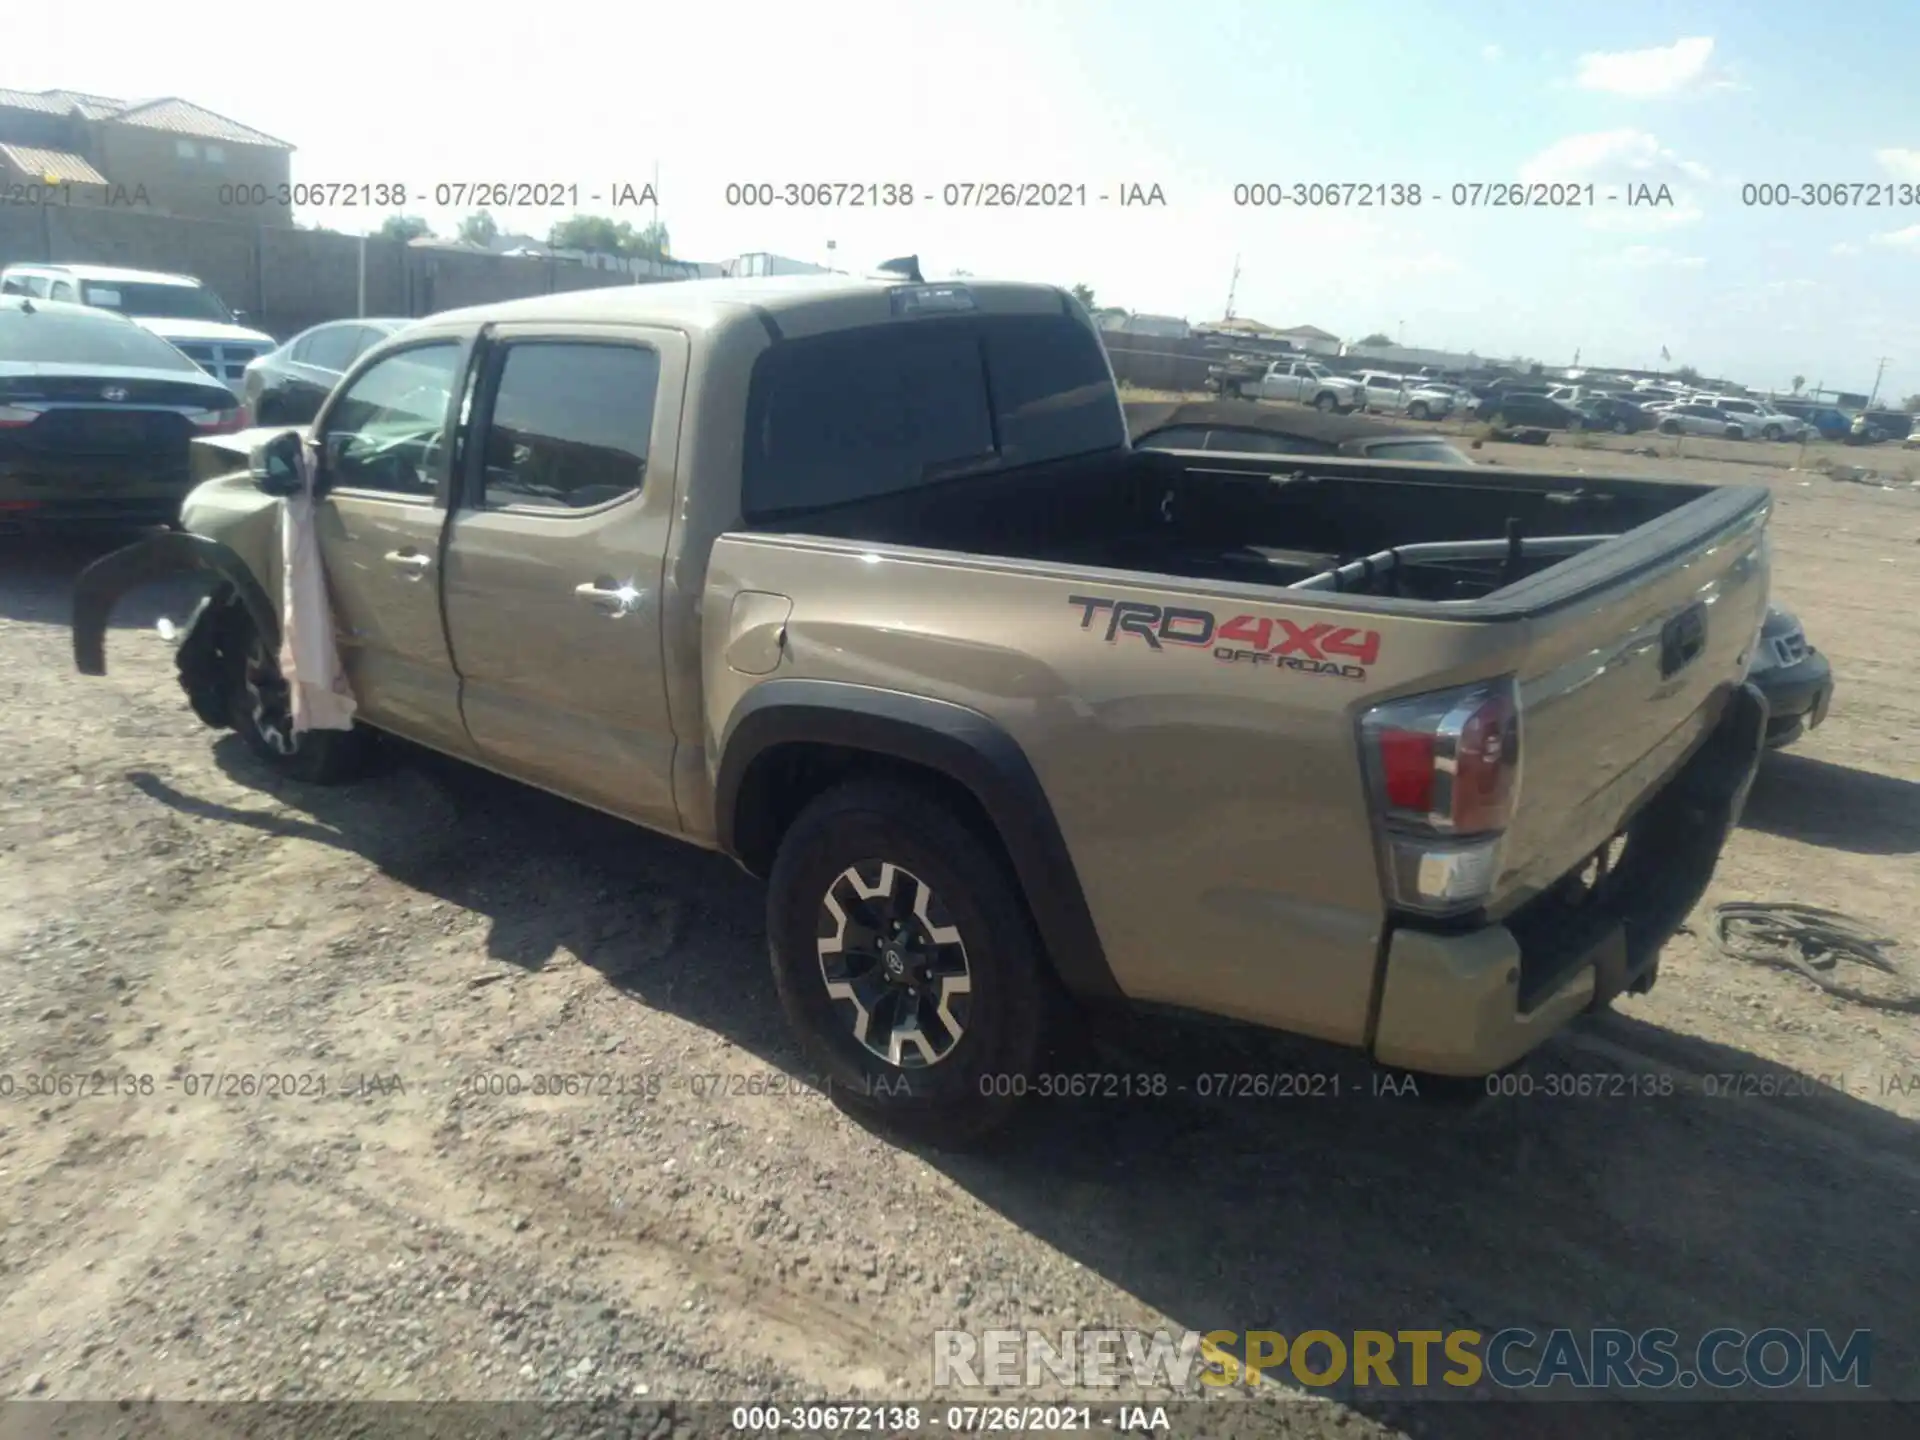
(479, 228)
(1084, 294)
(1911, 404)
(1376, 338)
(403, 227)
(1799, 383)
(610, 237)
(1687, 374)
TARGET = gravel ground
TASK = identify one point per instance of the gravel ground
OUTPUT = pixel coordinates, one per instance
(408, 1216)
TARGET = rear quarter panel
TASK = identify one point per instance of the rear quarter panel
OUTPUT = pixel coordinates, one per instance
(1213, 810)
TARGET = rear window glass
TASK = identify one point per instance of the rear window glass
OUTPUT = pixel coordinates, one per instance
(887, 408)
(69, 339)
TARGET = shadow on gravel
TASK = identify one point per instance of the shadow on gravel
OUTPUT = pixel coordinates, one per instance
(1799, 797)
(1662, 1199)
(39, 573)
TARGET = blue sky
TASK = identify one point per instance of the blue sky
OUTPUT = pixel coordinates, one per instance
(1195, 98)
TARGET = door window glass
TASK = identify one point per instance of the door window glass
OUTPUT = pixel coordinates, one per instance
(571, 424)
(385, 432)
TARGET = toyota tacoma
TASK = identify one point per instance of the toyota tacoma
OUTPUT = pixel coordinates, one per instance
(860, 582)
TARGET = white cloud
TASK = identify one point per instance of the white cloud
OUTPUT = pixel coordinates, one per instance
(1492, 54)
(1901, 164)
(1907, 239)
(1617, 163)
(1846, 247)
(1612, 155)
(1656, 257)
(1644, 74)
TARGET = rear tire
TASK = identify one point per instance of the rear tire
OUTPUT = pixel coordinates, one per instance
(906, 963)
(1620, 427)
(259, 709)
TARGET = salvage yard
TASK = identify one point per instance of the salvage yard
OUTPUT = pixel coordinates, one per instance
(403, 961)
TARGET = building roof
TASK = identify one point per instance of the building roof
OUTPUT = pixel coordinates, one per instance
(1307, 332)
(182, 117)
(60, 102)
(58, 166)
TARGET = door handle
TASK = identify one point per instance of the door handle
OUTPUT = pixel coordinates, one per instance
(411, 563)
(613, 598)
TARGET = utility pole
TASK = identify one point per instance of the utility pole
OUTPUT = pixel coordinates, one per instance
(1876, 382)
(1233, 287)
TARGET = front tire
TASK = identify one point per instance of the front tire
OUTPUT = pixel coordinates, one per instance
(1326, 402)
(1621, 427)
(906, 962)
(1669, 427)
(1417, 410)
(260, 711)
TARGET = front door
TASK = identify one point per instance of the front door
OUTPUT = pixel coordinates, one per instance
(554, 564)
(384, 453)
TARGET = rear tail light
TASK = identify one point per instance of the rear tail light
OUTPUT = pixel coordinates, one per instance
(218, 422)
(1443, 770)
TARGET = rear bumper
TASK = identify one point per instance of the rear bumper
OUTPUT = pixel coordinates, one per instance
(1473, 1002)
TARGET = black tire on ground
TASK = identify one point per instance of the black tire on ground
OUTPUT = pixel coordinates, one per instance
(1669, 427)
(258, 702)
(1620, 427)
(1772, 432)
(1326, 402)
(844, 848)
(1417, 410)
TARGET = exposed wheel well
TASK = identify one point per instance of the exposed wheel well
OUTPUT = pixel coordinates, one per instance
(783, 779)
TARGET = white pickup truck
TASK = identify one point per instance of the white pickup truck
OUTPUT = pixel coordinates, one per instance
(1309, 384)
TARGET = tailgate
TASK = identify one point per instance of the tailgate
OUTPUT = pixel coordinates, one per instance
(1629, 657)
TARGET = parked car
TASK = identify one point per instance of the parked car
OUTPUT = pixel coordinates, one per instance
(286, 386)
(1518, 409)
(1386, 393)
(96, 418)
(1615, 413)
(1244, 428)
(1697, 417)
(1306, 382)
(1795, 678)
(177, 308)
(707, 563)
(1755, 417)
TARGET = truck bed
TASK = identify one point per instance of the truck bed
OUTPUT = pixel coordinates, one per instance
(1083, 607)
(1419, 532)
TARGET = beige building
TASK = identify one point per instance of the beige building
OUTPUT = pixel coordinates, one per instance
(168, 156)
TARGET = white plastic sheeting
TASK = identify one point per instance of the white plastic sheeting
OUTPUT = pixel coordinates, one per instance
(309, 652)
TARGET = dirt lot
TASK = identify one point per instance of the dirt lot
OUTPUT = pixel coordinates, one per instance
(426, 942)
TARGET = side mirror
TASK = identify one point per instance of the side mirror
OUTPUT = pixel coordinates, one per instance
(275, 465)
(239, 317)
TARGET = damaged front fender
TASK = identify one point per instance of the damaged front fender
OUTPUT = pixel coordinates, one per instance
(101, 585)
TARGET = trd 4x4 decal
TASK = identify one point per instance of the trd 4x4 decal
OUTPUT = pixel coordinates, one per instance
(1318, 649)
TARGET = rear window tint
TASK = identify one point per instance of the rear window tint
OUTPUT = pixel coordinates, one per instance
(64, 338)
(892, 407)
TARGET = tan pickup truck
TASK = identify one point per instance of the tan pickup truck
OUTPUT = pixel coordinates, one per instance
(860, 582)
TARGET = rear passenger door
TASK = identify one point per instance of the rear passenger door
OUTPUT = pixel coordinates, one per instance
(554, 562)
